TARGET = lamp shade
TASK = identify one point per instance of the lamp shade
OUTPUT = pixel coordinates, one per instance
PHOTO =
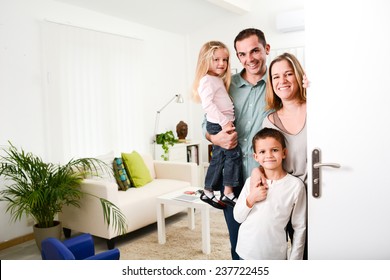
(178, 98)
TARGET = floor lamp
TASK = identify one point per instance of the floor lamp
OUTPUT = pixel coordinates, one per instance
(179, 99)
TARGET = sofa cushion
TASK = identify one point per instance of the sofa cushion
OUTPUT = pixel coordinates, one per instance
(136, 169)
(148, 159)
(105, 173)
(139, 204)
(121, 175)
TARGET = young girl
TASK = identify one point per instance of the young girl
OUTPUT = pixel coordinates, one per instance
(264, 212)
(211, 85)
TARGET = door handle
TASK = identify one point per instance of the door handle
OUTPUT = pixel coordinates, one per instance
(334, 165)
(316, 165)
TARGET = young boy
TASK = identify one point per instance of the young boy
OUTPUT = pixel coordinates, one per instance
(265, 212)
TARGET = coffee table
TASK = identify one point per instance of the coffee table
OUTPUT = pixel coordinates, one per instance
(172, 199)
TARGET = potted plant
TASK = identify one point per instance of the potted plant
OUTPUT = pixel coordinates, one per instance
(165, 140)
(40, 190)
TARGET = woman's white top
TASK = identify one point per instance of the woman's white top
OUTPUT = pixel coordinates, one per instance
(296, 160)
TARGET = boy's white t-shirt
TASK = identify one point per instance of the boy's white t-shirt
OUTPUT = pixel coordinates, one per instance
(262, 234)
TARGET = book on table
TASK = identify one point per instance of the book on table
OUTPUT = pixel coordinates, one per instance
(187, 197)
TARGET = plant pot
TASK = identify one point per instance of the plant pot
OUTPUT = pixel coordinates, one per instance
(42, 233)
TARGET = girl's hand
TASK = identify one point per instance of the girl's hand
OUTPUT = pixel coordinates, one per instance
(229, 126)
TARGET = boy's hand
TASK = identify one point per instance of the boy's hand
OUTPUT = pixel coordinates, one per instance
(258, 178)
(263, 191)
(256, 194)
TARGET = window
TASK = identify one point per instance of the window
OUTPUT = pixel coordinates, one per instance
(92, 91)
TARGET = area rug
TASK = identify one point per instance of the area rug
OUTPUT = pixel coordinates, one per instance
(182, 243)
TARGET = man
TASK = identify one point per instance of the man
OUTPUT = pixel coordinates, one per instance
(248, 92)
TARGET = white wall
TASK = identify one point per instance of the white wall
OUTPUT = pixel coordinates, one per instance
(169, 64)
(22, 100)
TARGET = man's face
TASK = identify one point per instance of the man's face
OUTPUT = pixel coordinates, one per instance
(252, 55)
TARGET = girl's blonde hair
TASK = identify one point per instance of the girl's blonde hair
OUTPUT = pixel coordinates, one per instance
(273, 101)
(204, 60)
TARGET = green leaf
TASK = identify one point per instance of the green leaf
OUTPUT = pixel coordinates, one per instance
(40, 190)
(165, 140)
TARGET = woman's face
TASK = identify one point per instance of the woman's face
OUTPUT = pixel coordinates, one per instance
(284, 81)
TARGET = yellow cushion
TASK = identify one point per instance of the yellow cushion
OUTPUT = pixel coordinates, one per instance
(136, 169)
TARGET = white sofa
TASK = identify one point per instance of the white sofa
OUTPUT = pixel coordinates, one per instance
(137, 204)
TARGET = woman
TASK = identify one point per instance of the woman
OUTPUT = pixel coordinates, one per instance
(287, 98)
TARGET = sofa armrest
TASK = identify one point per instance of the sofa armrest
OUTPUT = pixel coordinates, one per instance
(88, 218)
(184, 171)
(101, 188)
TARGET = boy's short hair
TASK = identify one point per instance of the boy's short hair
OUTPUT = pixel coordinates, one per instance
(269, 132)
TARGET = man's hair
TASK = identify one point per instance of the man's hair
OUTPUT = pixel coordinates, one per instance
(246, 33)
(269, 132)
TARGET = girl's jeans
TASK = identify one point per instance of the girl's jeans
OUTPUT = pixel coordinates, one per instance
(225, 165)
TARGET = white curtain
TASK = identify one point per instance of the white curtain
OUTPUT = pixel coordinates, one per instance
(92, 91)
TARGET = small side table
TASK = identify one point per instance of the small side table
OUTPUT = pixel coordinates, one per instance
(170, 199)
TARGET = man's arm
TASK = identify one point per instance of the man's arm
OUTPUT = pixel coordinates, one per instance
(226, 138)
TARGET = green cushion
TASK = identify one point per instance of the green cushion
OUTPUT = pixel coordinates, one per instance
(136, 169)
(121, 175)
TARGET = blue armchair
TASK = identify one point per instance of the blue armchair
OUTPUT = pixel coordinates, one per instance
(76, 248)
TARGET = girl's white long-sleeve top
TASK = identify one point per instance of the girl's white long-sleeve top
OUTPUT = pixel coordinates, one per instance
(262, 234)
(215, 100)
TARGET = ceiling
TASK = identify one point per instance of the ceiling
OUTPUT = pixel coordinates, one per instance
(165, 14)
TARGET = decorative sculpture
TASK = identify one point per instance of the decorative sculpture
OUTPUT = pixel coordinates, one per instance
(182, 131)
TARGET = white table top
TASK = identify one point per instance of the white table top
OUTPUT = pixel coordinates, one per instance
(173, 198)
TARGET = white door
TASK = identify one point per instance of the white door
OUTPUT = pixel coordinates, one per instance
(348, 64)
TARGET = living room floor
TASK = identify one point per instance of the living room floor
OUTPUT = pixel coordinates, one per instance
(29, 250)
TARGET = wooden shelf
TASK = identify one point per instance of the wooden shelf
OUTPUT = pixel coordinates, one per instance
(182, 152)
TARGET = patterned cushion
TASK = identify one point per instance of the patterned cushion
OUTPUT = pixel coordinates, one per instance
(121, 175)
